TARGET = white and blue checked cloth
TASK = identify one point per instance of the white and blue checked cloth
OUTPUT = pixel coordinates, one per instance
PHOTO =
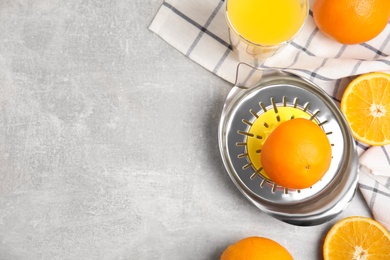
(198, 29)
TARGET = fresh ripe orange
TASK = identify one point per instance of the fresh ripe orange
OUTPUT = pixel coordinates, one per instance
(366, 106)
(254, 248)
(357, 238)
(351, 21)
(296, 154)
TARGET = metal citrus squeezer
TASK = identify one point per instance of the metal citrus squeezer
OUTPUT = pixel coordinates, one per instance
(250, 114)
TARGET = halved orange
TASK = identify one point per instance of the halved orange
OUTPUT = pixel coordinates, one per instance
(357, 238)
(366, 106)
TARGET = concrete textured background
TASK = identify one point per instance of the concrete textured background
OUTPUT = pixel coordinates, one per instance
(108, 142)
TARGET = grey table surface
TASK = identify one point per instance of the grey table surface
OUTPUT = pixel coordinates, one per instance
(108, 142)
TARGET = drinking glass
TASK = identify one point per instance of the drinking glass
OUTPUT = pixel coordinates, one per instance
(258, 29)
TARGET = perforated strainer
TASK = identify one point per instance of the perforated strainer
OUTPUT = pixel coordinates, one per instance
(250, 114)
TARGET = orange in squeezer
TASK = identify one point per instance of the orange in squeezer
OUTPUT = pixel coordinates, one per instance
(297, 154)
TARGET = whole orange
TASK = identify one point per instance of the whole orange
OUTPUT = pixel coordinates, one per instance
(297, 154)
(351, 21)
(254, 248)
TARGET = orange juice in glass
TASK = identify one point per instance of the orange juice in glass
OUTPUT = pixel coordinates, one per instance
(260, 28)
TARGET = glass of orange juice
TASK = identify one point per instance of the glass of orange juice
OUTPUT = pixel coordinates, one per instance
(260, 28)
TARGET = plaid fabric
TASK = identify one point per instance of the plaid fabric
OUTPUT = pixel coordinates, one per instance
(198, 29)
(374, 182)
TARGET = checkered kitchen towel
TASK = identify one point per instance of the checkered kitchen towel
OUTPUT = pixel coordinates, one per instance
(198, 29)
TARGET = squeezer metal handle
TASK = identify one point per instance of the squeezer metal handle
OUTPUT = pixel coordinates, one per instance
(247, 75)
